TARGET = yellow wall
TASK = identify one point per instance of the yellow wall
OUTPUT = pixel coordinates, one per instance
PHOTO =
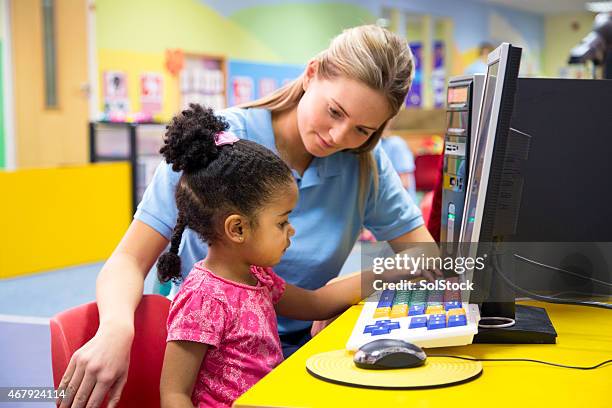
(560, 38)
(53, 218)
(49, 137)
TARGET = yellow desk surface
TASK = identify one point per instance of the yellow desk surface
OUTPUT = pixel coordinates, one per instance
(584, 339)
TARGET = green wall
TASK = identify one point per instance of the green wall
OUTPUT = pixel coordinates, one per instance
(296, 32)
(270, 33)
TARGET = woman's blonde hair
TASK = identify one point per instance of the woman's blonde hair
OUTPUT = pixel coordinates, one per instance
(371, 55)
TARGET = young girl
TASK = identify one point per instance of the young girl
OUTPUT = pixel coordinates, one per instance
(236, 195)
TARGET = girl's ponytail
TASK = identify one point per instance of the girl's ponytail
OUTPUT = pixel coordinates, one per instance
(169, 264)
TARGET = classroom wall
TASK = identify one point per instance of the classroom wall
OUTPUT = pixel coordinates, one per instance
(136, 48)
(475, 22)
(306, 28)
(61, 217)
(562, 32)
(250, 34)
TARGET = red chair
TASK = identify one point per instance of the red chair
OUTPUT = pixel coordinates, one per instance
(426, 203)
(74, 327)
(426, 169)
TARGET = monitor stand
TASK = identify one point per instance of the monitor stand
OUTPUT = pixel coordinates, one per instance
(533, 326)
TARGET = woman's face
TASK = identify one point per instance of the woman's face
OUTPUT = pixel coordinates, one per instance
(339, 113)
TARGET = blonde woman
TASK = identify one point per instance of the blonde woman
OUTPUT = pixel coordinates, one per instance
(326, 126)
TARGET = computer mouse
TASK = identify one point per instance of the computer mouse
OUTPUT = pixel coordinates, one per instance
(384, 354)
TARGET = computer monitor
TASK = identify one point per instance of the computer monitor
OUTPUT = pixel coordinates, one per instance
(491, 206)
(491, 140)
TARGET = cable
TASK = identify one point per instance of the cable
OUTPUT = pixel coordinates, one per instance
(548, 299)
(523, 360)
(554, 268)
(575, 293)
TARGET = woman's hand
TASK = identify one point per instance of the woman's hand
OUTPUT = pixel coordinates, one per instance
(98, 368)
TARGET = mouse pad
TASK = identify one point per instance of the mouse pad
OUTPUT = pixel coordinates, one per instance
(337, 367)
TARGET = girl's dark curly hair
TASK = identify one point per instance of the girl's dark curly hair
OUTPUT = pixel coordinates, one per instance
(216, 181)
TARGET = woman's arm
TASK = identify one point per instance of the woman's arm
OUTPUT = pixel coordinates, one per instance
(326, 302)
(182, 363)
(100, 367)
(417, 235)
(120, 283)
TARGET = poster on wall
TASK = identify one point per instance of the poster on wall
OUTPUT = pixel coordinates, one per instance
(151, 96)
(415, 95)
(115, 92)
(250, 80)
(267, 86)
(242, 87)
(438, 75)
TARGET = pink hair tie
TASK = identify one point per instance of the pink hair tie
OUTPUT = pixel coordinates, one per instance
(225, 138)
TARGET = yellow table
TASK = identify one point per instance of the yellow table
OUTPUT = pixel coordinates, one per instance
(584, 339)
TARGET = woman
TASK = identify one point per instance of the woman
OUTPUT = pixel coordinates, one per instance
(325, 125)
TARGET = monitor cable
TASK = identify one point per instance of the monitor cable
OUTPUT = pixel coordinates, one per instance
(554, 268)
(543, 298)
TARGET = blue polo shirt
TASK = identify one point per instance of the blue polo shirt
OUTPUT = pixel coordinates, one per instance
(327, 218)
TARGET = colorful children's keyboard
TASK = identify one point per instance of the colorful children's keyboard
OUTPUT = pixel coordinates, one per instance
(432, 318)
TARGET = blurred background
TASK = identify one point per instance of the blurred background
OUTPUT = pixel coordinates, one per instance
(86, 88)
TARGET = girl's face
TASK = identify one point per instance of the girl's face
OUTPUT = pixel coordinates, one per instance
(338, 113)
(271, 237)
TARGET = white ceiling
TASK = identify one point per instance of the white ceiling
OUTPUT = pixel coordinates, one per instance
(543, 6)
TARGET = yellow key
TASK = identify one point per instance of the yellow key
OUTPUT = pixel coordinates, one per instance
(382, 312)
(399, 311)
(454, 312)
(434, 310)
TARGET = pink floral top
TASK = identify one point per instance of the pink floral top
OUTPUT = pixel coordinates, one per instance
(237, 321)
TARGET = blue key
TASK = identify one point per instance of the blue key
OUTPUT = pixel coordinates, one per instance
(418, 309)
(369, 328)
(379, 331)
(436, 322)
(457, 320)
(418, 322)
(393, 325)
(452, 305)
(386, 298)
(387, 295)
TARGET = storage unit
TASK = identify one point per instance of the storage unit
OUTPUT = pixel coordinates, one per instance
(138, 143)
